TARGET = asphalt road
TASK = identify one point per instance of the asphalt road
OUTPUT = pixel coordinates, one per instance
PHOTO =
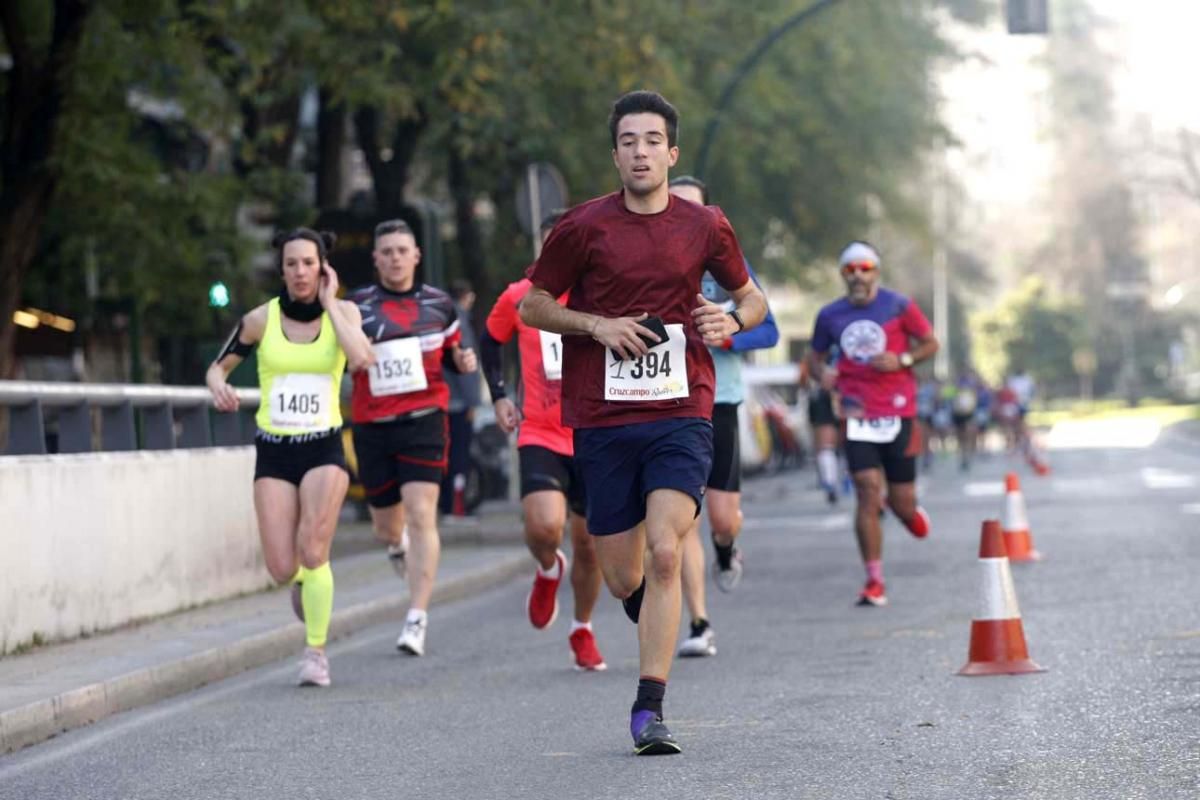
(809, 696)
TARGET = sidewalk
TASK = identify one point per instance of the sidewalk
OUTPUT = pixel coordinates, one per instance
(64, 686)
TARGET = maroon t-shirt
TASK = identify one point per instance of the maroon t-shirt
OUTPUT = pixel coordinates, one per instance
(617, 263)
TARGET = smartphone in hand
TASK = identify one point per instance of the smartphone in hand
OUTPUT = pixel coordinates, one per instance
(655, 325)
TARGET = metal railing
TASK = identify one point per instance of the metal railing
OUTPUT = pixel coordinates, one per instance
(170, 417)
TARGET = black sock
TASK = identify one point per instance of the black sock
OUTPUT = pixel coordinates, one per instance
(699, 626)
(650, 696)
(724, 554)
(633, 603)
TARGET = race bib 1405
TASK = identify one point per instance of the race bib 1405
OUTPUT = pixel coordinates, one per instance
(301, 402)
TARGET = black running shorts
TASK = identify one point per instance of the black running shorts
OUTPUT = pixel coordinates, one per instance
(897, 458)
(726, 475)
(820, 409)
(406, 450)
(542, 469)
(289, 457)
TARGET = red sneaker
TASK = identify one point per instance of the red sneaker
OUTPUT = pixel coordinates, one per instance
(919, 525)
(542, 603)
(872, 594)
(587, 655)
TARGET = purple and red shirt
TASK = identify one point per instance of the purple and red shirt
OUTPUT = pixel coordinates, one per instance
(884, 325)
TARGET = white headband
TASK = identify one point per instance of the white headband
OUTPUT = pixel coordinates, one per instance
(858, 251)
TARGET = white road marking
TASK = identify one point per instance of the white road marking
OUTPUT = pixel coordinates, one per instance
(1190, 508)
(1103, 433)
(1155, 478)
(984, 489)
(824, 523)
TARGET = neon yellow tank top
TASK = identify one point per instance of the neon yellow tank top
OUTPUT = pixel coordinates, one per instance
(299, 382)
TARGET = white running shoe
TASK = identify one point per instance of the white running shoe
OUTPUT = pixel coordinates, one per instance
(412, 638)
(314, 668)
(398, 555)
(702, 642)
(728, 579)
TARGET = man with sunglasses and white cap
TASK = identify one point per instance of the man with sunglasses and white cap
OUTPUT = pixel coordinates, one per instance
(881, 334)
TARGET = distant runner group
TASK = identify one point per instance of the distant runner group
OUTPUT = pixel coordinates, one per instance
(629, 328)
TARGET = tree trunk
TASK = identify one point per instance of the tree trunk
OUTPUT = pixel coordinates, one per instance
(469, 238)
(37, 86)
(389, 176)
(331, 142)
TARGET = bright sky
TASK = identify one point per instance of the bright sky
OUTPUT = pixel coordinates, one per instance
(995, 103)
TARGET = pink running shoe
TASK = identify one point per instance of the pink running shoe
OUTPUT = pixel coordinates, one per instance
(314, 668)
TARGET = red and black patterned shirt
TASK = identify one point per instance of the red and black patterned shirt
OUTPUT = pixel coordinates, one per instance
(410, 333)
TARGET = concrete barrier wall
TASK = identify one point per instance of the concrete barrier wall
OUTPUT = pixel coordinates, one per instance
(97, 540)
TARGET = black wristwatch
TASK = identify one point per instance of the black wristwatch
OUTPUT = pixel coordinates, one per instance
(738, 319)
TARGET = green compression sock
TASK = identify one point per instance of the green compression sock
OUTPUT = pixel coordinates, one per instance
(316, 595)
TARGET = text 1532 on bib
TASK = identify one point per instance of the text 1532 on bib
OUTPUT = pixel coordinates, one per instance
(881, 430)
(661, 374)
(398, 367)
(301, 402)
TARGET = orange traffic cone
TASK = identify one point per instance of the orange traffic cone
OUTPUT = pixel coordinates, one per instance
(1015, 523)
(997, 637)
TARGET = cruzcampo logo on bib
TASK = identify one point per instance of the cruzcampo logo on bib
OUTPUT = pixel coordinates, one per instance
(661, 374)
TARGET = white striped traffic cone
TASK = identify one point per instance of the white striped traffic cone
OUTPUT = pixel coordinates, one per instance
(997, 636)
(1018, 541)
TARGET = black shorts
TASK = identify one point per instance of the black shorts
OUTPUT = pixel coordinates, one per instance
(406, 450)
(543, 469)
(962, 420)
(820, 409)
(897, 458)
(726, 474)
(289, 457)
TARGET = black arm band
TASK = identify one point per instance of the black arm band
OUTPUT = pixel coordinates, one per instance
(491, 354)
(235, 345)
(448, 361)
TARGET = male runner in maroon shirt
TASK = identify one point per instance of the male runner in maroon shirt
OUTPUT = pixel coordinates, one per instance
(637, 376)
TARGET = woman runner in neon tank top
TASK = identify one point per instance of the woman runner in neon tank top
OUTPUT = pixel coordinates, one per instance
(305, 338)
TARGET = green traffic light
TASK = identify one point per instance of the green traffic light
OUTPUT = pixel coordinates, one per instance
(218, 295)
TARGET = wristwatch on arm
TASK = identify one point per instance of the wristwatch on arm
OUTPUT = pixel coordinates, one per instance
(906, 359)
(738, 319)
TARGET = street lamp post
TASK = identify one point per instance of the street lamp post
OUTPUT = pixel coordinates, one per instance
(743, 70)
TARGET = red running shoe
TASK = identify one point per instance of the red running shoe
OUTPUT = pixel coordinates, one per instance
(587, 655)
(919, 525)
(542, 603)
(872, 594)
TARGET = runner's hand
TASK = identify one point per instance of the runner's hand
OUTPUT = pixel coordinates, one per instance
(507, 415)
(886, 362)
(829, 377)
(224, 396)
(621, 336)
(464, 359)
(713, 323)
(327, 287)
